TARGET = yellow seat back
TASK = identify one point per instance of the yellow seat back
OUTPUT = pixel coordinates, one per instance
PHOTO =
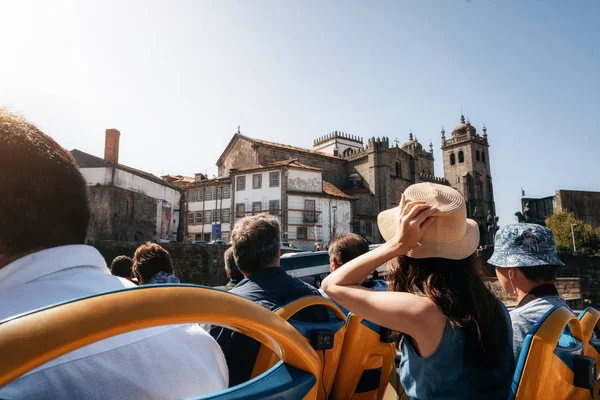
(329, 359)
(366, 363)
(30, 340)
(590, 324)
(545, 366)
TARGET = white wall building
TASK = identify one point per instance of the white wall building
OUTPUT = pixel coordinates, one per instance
(309, 209)
(151, 209)
(208, 209)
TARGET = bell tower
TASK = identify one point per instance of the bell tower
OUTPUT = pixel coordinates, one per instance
(467, 168)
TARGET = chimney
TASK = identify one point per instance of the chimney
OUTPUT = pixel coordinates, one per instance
(111, 146)
(199, 177)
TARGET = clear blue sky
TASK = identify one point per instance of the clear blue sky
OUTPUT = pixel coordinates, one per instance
(177, 77)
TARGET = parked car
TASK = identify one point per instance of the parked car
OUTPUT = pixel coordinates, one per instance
(217, 242)
(199, 242)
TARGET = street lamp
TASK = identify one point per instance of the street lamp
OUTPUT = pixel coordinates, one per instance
(334, 208)
(573, 237)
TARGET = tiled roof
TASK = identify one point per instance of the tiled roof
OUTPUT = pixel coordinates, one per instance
(288, 147)
(178, 179)
(292, 163)
(205, 182)
(85, 160)
(331, 190)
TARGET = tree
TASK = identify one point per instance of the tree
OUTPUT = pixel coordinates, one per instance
(586, 237)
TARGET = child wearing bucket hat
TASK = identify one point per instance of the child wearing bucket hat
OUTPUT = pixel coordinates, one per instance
(455, 340)
(526, 261)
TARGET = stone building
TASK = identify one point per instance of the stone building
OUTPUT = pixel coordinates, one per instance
(584, 205)
(309, 209)
(467, 169)
(128, 204)
(374, 174)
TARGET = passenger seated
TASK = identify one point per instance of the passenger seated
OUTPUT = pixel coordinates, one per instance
(455, 341)
(43, 261)
(152, 265)
(345, 247)
(255, 243)
(526, 261)
(231, 270)
(122, 266)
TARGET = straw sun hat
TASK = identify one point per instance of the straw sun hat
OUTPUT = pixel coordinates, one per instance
(451, 235)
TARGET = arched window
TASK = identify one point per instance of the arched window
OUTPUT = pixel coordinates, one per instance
(348, 152)
(477, 155)
(483, 156)
(461, 157)
(452, 159)
(398, 170)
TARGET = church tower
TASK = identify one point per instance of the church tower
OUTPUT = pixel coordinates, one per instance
(467, 168)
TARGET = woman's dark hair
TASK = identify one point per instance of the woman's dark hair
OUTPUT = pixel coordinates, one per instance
(457, 289)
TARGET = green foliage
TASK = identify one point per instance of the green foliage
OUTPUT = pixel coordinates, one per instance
(586, 238)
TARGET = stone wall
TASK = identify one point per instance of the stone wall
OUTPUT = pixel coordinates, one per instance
(586, 268)
(241, 155)
(200, 264)
(120, 214)
(569, 289)
(585, 205)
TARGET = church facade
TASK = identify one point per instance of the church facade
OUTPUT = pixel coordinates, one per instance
(375, 173)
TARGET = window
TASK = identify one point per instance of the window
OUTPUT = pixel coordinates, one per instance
(483, 156)
(452, 159)
(477, 155)
(225, 236)
(256, 207)
(208, 194)
(309, 205)
(240, 210)
(301, 232)
(208, 216)
(240, 183)
(398, 170)
(198, 217)
(368, 228)
(226, 192)
(191, 196)
(217, 215)
(274, 207)
(461, 157)
(190, 218)
(274, 179)
(225, 214)
(257, 181)
(218, 193)
(355, 226)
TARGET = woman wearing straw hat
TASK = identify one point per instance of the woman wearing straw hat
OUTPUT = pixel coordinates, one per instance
(456, 336)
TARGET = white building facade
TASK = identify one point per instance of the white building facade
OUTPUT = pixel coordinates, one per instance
(208, 207)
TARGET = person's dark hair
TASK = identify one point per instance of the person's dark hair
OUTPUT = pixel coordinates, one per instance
(122, 266)
(255, 242)
(44, 196)
(230, 266)
(457, 289)
(150, 259)
(347, 246)
(540, 274)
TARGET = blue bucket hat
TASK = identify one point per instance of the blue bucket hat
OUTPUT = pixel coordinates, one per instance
(525, 245)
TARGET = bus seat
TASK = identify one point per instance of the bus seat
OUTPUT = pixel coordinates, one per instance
(29, 340)
(546, 364)
(366, 363)
(329, 358)
(590, 324)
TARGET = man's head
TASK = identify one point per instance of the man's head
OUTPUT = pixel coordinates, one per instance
(121, 266)
(255, 242)
(44, 196)
(150, 259)
(525, 257)
(345, 247)
(231, 269)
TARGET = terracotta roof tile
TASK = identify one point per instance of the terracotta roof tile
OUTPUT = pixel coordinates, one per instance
(331, 190)
(288, 147)
(284, 163)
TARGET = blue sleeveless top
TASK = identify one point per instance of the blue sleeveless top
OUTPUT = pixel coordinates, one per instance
(445, 375)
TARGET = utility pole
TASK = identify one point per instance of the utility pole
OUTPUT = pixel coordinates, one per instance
(573, 236)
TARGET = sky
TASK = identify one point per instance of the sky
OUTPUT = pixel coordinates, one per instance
(178, 77)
